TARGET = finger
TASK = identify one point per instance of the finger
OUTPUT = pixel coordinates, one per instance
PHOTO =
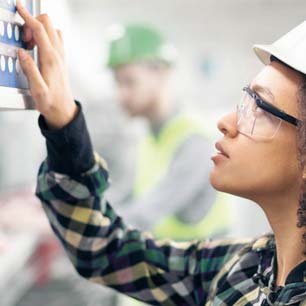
(51, 32)
(27, 37)
(36, 82)
(31, 45)
(27, 34)
(61, 40)
(60, 36)
(30, 42)
(39, 33)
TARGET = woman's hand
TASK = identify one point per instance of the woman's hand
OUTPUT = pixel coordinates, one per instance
(49, 84)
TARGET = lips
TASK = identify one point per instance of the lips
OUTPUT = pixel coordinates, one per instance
(220, 149)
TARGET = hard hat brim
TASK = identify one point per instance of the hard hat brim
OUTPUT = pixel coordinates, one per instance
(264, 53)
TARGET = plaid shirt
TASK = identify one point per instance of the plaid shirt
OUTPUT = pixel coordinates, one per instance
(106, 251)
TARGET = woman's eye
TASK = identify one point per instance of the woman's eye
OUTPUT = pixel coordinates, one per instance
(259, 111)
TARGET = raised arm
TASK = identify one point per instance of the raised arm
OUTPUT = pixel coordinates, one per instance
(71, 183)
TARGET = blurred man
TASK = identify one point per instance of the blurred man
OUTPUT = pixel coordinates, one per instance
(170, 195)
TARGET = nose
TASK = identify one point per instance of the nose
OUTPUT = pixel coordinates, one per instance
(227, 125)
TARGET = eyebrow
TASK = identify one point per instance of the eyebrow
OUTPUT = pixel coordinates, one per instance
(262, 89)
(270, 108)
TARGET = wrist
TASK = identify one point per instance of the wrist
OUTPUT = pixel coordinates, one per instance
(57, 119)
(69, 149)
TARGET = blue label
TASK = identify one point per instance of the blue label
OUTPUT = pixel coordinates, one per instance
(10, 5)
(10, 73)
(11, 36)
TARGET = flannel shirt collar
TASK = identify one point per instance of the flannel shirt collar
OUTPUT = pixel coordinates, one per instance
(294, 290)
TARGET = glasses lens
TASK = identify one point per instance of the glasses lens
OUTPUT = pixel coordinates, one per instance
(254, 121)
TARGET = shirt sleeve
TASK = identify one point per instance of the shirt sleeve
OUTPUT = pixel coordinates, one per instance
(184, 191)
(106, 251)
(69, 149)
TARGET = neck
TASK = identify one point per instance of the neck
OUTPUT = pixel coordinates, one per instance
(282, 215)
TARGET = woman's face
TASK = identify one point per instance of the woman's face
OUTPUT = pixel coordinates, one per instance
(254, 167)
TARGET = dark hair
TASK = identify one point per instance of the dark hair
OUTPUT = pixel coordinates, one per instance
(301, 213)
(301, 141)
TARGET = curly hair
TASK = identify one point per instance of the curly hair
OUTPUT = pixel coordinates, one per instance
(301, 141)
(301, 135)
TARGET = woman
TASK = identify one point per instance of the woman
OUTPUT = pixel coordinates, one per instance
(260, 157)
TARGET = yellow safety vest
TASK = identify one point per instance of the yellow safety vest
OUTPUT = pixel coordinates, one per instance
(154, 158)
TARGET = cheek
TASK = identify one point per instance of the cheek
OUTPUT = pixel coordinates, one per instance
(133, 99)
(286, 158)
(257, 168)
(144, 96)
(234, 175)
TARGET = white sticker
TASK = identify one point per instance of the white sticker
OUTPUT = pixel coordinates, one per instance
(3, 63)
(2, 28)
(17, 33)
(18, 68)
(10, 65)
(9, 31)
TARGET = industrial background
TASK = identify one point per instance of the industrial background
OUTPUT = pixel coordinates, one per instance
(216, 61)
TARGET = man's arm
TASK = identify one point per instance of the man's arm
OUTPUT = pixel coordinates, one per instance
(184, 191)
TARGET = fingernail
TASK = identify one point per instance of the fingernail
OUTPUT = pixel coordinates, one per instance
(22, 54)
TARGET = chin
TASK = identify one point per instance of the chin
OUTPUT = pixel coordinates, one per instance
(218, 179)
(130, 113)
(222, 184)
(217, 183)
(133, 113)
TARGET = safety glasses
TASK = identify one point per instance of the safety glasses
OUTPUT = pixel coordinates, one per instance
(258, 118)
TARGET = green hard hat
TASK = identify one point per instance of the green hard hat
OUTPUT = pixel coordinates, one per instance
(138, 43)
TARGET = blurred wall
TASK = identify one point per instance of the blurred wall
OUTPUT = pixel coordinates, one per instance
(215, 41)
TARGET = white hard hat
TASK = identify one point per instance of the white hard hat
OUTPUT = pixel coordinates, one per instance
(290, 49)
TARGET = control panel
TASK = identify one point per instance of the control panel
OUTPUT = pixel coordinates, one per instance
(14, 88)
